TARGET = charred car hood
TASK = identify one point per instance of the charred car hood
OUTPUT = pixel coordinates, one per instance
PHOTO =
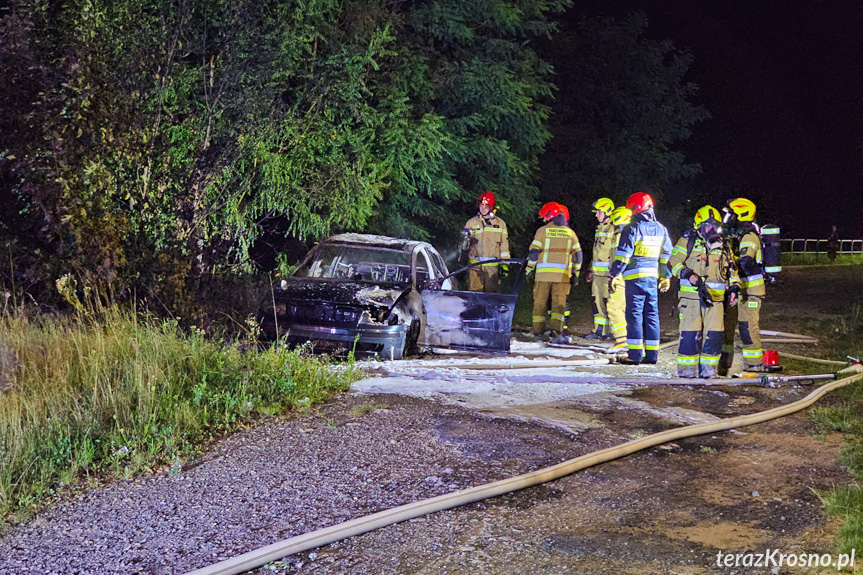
(360, 294)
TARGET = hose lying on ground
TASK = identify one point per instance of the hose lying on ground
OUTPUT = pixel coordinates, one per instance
(529, 364)
(587, 379)
(813, 359)
(770, 332)
(787, 340)
(328, 535)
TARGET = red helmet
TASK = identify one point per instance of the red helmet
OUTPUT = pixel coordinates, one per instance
(486, 198)
(549, 210)
(639, 202)
(565, 211)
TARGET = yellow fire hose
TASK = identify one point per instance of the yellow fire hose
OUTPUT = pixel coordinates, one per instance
(264, 555)
(769, 332)
(817, 360)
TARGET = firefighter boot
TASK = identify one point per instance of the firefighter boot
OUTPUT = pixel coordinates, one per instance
(707, 371)
(562, 339)
(725, 360)
(687, 371)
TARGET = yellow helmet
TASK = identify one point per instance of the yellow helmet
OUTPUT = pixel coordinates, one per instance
(603, 205)
(620, 216)
(742, 208)
(707, 213)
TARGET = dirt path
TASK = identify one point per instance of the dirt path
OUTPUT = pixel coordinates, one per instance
(668, 510)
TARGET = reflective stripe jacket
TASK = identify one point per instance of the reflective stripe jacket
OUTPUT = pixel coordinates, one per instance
(643, 249)
(604, 246)
(555, 253)
(489, 239)
(749, 262)
(711, 264)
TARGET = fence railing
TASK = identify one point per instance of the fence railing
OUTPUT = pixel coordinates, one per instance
(815, 246)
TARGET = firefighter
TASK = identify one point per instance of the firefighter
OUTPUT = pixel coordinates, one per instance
(555, 255)
(565, 338)
(603, 252)
(615, 302)
(642, 252)
(743, 241)
(705, 272)
(484, 237)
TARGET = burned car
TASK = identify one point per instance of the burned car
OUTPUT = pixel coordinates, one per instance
(383, 296)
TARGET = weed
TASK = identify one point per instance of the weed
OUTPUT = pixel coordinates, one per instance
(363, 410)
(330, 422)
(706, 449)
(846, 502)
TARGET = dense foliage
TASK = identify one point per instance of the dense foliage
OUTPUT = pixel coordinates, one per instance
(150, 142)
(158, 135)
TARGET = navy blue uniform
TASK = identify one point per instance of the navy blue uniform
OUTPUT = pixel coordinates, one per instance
(642, 253)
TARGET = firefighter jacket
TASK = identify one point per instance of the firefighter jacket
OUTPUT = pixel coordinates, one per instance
(691, 255)
(749, 259)
(643, 249)
(604, 246)
(489, 239)
(555, 253)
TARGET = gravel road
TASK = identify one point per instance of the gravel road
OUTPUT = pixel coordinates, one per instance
(662, 511)
(280, 479)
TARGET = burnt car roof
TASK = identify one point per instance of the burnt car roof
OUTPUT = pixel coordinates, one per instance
(375, 241)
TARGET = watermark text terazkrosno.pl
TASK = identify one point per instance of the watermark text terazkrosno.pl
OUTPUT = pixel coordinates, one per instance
(776, 558)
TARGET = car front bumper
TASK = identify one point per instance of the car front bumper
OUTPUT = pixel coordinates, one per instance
(387, 341)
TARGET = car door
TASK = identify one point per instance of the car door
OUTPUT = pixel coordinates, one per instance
(467, 320)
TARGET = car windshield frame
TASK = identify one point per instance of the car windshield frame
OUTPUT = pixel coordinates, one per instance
(333, 265)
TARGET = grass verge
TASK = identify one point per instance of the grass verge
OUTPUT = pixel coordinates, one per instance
(803, 259)
(846, 416)
(127, 394)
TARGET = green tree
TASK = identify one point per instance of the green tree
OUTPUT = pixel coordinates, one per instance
(482, 95)
(163, 133)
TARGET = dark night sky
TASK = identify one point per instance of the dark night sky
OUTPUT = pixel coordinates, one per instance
(783, 82)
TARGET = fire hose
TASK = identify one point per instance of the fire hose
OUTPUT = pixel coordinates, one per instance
(360, 525)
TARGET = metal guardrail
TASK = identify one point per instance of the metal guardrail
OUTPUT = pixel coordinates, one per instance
(816, 246)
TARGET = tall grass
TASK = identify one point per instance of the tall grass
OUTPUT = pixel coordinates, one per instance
(124, 393)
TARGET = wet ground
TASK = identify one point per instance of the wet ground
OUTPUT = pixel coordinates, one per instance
(666, 510)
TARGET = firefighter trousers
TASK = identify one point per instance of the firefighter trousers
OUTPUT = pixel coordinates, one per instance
(748, 322)
(609, 309)
(701, 333)
(558, 291)
(745, 317)
(642, 319)
(483, 278)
